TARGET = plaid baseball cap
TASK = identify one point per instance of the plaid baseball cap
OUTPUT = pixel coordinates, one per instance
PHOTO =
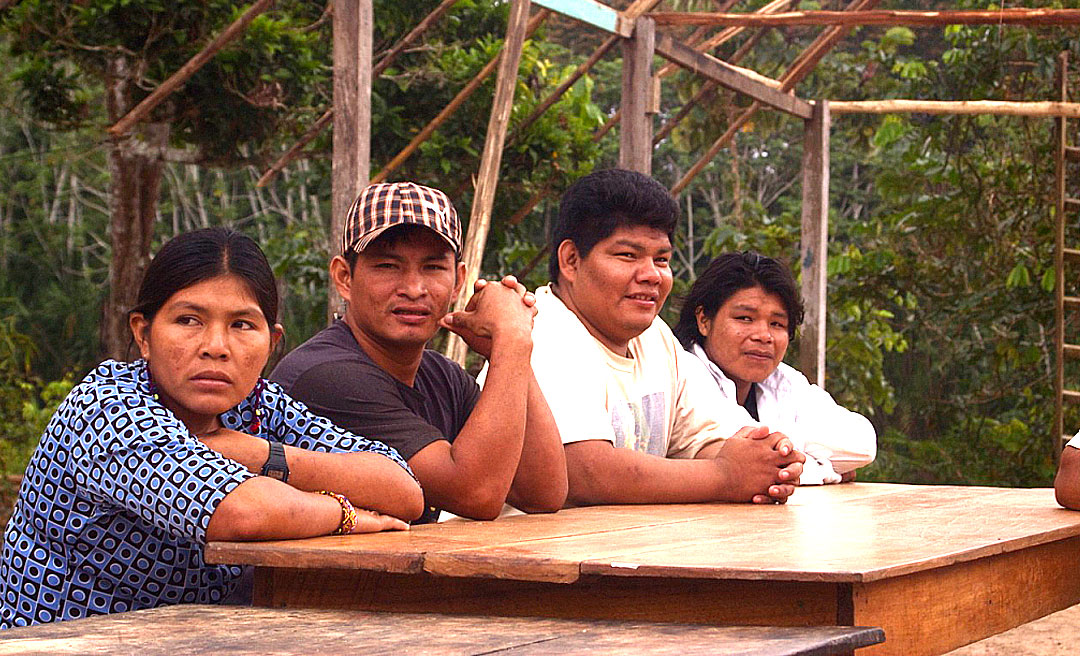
(387, 204)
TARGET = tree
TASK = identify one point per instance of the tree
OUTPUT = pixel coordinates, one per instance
(88, 63)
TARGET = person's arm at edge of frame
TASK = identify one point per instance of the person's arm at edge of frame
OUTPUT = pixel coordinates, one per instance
(540, 483)
(600, 473)
(1067, 480)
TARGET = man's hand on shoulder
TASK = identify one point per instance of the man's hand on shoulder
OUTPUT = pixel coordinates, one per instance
(760, 466)
(495, 311)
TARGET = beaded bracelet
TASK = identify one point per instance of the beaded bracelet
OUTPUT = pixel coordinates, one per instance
(348, 513)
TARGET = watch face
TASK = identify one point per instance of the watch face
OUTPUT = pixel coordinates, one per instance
(274, 472)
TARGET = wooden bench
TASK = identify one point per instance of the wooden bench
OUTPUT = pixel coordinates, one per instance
(238, 630)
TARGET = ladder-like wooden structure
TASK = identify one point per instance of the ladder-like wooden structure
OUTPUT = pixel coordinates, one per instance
(1064, 257)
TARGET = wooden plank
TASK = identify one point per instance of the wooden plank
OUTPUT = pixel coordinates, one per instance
(192, 66)
(246, 630)
(1072, 153)
(490, 160)
(384, 62)
(353, 24)
(694, 601)
(1006, 16)
(1070, 396)
(1071, 350)
(635, 133)
(798, 70)
(814, 242)
(730, 77)
(448, 111)
(592, 13)
(1072, 301)
(933, 612)
(1040, 109)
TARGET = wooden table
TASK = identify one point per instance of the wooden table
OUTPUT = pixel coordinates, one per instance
(235, 630)
(936, 566)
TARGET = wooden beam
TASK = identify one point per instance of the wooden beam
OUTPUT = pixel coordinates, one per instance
(635, 134)
(1007, 16)
(997, 107)
(353, 25)
(814, 242)
(384, 62)
(798, 70)
(1061, 148)
(457, 101)
(592, 13)
(731, 77)
(177, 79)
(517, 31)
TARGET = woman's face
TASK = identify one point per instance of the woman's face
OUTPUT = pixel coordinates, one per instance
(206, 347)
(747, 337)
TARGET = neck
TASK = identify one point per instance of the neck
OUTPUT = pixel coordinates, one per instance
(401, 362)
(565, 293)
(742, 391)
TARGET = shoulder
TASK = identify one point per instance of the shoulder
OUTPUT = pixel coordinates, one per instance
(786, 379)
(333, 344)
(558, 333)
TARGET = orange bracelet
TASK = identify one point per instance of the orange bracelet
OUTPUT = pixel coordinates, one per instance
(348, 513)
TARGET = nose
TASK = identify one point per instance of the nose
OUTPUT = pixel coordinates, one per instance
(412, 285)
(215, 342)
(761, 332)
(649, 272)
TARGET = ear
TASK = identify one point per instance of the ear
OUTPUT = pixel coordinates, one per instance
(703, 323)
(276, 333)
(569, 260)
(341, 276)
(459, 280)
(140, 330)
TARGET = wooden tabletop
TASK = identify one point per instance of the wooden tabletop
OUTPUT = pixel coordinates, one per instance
(177, 630)
(858, 532)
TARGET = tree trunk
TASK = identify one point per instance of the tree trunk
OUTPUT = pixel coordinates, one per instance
(135, 181)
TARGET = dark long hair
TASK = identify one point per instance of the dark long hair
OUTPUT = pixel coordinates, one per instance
(193, 257)
(603, 201)
(730, 273)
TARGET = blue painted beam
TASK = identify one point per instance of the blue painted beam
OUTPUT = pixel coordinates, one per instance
(591, 12)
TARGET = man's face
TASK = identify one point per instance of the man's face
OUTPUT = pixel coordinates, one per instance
(619, 287)
(400, 288)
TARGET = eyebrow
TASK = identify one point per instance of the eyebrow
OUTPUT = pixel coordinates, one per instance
(752, 308)
(250, 310)
(630, 243)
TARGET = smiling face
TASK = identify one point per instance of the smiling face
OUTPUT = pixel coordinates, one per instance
(205, 348)
(747, 337)
(619, 287)
(398, 290)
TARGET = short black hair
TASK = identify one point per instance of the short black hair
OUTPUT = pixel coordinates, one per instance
(603, 201)
(730, 273)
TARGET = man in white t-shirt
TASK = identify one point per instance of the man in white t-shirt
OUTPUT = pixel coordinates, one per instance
(1067, 481)
(640, 419)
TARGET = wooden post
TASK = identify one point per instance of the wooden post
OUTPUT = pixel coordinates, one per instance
(815, 238)
(635, 131)
(488, 177)
(353, 21)
(1059, 261)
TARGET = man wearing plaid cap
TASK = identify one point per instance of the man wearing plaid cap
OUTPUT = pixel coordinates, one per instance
(399, 270)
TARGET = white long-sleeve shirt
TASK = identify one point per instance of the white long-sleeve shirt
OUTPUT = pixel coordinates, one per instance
(836, 438)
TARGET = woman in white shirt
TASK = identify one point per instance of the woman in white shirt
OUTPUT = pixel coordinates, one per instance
(738, 318)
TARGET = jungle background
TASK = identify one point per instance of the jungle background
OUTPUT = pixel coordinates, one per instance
(941, 228)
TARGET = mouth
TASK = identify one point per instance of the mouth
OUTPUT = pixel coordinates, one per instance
(411, 314)
(212, 379)
(764, 356)
(644, 298)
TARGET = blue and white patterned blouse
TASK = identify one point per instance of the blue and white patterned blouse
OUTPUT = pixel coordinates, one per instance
(113, 509)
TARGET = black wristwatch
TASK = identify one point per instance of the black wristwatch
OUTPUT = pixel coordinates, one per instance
(276, 466)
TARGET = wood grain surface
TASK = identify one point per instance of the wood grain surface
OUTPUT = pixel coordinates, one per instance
(853, 533)
(177, 630)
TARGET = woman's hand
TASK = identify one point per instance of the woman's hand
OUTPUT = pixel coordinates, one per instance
(369, 521)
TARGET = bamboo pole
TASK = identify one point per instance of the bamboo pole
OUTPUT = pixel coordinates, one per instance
(1007, 16)
(384, 63)
(517, 31)
(451, 108)
(177, 79)
(995, 107)
(798, 70)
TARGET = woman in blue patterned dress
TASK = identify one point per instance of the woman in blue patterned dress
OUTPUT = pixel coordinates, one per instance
(144, 462)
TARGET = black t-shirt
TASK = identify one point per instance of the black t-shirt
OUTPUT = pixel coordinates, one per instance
(333, 375)
(751, 402)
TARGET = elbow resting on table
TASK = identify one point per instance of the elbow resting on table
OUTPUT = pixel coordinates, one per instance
(1067, 481)
(548, 500)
